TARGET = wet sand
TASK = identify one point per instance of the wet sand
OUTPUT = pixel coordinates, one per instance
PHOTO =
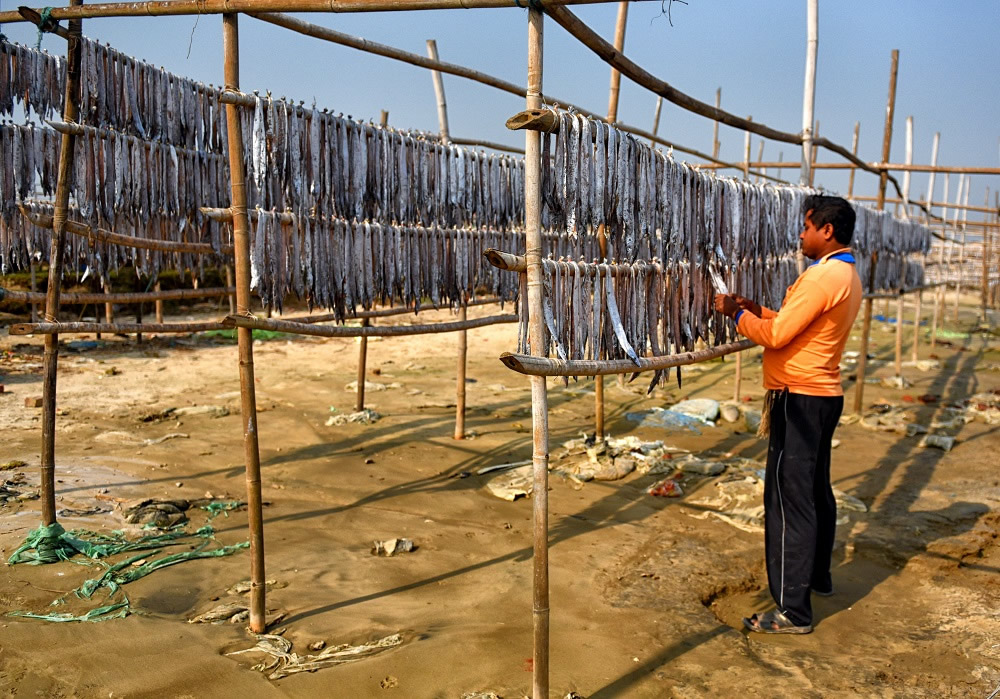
(646, 596)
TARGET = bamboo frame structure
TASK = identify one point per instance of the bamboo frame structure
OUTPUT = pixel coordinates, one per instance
(808, 92)
(287, 326)
(859, 386)
(163, 8)
(114, 328)
(248, 400)
(99, 234)
(56, 254)
(616, 77)
(533, 365)
(125, 297)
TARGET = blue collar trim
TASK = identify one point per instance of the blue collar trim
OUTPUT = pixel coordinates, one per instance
(845, 256)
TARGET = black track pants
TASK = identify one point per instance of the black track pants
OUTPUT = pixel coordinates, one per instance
(800, 514)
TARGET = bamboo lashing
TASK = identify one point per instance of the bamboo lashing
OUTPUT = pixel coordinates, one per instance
(47, 486)
(299, 328)
(248, 401)
(859, 386)
(115, 328)
(532, 365)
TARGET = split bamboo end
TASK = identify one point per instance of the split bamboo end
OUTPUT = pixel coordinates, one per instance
(545, 120)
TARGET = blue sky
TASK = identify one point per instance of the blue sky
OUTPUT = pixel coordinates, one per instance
(948, 71)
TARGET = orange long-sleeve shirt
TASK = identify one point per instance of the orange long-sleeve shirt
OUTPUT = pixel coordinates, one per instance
(804, 340)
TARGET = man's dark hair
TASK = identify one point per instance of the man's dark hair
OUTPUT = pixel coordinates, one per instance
(833, 210)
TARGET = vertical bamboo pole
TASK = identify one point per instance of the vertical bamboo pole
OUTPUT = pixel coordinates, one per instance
(760, 159)
(899, 334)
(463, 338)
(986, 257)
(859, 387)
(158, 305)
(738, 374)
(231, 297)
(812, 155)
(854, 150)
(109, 308)
(715, 124)
(34, 289)
(906, 214)
(539, 397)
(906, 175)
(920, 294)
(961, 249)
(962, 182)
(616, 77)
(809, 89)
(241, 243)
(56, 254)
(656, 118)
(602, 242)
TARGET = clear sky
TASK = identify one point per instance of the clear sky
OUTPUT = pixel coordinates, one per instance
(949, 71)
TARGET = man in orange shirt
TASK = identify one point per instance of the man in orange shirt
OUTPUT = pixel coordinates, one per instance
(803, 343)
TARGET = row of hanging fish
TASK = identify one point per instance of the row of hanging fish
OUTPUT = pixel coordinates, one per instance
(309, 160)
(346, 265)
(116, 91)
(619, 310)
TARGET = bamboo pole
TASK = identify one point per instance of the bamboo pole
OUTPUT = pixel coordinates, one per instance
(656, 119)
(108, 297)
(715, 123)
(961, 250)
(241, 240)
(109, 306)
(56, 254)
(539, 396)
(381, 313)
(34, 289)
(294, 328)
(229, 286)
(161, 8)
(854, 150)
(899, 335)
(986, 268)
(738, 375)
(873, 166)
(760, 156)
(859, 386)
(616, 77)
(158, 305)
(98, 234)
(906, 175)
(536, 366)
(920, 294)
(114, 328)
(809, 91)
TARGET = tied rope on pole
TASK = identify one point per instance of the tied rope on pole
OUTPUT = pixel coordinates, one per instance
(45, 24)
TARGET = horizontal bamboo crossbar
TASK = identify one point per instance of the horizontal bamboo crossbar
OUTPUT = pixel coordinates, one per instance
(113, 328)
(81, 229)
(381, 313)
(300, 328)
(104, 132)
(160, 8)
(544, 366)
(900, 167)
(137, 297)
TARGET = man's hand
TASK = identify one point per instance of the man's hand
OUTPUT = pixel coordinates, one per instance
(747, 305)
(726, 305)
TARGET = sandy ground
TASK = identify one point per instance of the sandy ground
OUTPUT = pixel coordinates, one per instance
(647, 593)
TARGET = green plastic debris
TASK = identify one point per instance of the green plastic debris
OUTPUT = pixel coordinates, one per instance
(119, 610)
(217, 507)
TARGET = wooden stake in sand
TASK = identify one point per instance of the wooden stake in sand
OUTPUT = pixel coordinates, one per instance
(859, 386)
(57, 252)
(241, 240)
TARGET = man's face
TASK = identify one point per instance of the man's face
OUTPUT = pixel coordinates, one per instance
(814, 239)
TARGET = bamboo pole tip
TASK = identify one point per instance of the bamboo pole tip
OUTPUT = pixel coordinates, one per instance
(21, 329)
(495, 258)
(534, 119)
(229, 321)
(510, 360)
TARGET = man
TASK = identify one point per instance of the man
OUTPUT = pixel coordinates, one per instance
(802, 344)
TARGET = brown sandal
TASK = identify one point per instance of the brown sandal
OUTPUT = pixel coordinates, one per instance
(774, 622)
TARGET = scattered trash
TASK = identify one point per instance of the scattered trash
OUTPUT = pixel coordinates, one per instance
(364, 417)
(200, 410)
(158, 513)
(939, 441)
(83, 511)
(164, 438)
(899, 382)
(317, 645)
(228, 611)
(730, 412)
(12, 464)
(502, 467)
(705, 410)
(923, 364)
(112, 371)
(700, 467)
(834, 443)
(33, 402)
(243, 587)
(370, 386)
(511, 485)
(81, 345)
(390, 547)
(481, 695)
(584, 459)
(663, 418)
(667, 488)
(283, 662)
